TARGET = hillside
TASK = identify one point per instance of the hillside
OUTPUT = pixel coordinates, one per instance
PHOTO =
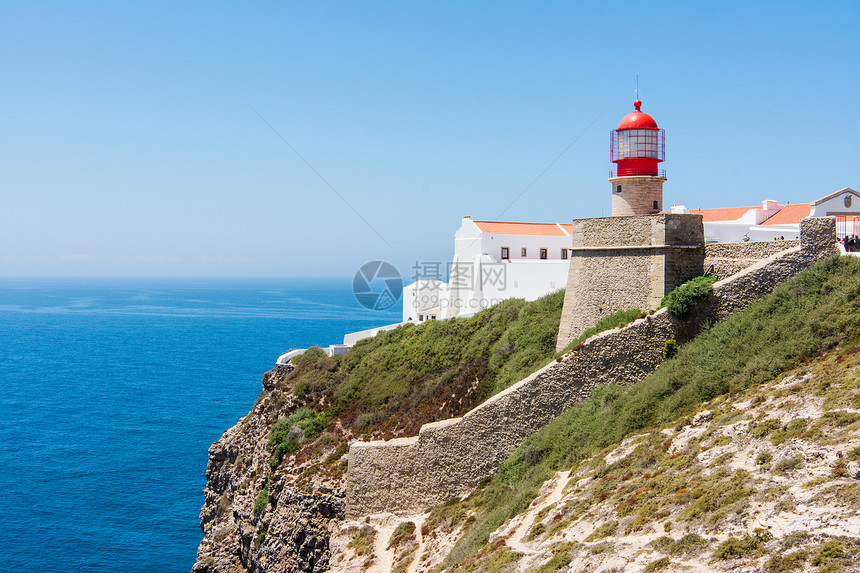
(274, 480)
(742, 451)
(274, 493)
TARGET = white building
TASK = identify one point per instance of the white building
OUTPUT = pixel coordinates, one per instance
(493, 261)
(774, 221)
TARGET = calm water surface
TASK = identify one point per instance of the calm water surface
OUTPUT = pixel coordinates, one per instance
(112, 392)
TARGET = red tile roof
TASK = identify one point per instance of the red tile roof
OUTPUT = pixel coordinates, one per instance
(790, 214)
(511, 228)
(728, 214)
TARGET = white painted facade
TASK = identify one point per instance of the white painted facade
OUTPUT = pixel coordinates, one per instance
(493, 261)
(774, 221)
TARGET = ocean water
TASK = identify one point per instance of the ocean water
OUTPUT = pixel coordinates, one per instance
(112, 392)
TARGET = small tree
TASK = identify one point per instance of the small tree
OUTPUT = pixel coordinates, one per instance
(670, 348)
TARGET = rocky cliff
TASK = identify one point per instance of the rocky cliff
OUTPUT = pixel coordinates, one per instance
(258, 520)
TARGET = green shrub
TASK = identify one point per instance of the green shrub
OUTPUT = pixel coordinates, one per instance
(658, 565)
(560, 558)
(284, 436)
(735, 547)
(670, 348)
(687, 544)
(403, 532)
(604, 530)
(788, 464)
(681, 300)
(262, 500)
(312, 354)
(787, 562)
(829, 551)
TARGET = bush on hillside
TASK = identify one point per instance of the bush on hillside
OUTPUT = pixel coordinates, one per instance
(681, 300)
(402, 378)
(312, 354)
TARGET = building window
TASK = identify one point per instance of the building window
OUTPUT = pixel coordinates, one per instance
(506, 253)
(564, 253)
(543, 253)
(656, 208)
(618, 189)
(523, 252)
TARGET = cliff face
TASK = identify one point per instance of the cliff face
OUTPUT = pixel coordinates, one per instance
(254, 520)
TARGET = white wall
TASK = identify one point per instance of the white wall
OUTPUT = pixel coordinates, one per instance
(421, 298)
(471, 242)
(485, 282)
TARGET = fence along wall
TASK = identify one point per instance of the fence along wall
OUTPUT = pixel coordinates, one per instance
(449, 458)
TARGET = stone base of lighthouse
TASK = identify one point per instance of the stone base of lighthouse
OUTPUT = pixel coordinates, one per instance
(637, 195)
(622, 263)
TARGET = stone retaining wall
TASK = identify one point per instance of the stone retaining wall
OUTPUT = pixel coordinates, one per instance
(730, 258)
(449, 458)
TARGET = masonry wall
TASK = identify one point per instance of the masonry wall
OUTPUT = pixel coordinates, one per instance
(637, 195)
(449, 458)
(621, 263)
(730, 258)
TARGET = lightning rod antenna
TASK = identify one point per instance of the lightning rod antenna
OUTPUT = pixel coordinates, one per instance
(637, 86)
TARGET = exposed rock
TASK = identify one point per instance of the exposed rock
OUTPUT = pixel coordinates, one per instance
(291, 532)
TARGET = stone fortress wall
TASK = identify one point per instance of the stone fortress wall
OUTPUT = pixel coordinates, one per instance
(730, 258)
(449, 458)
(621, 263)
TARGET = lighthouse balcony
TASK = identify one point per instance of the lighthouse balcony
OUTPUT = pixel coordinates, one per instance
(638, 171)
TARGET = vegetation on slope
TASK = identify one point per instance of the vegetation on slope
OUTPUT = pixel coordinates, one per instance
(808, 315)
(398, 380)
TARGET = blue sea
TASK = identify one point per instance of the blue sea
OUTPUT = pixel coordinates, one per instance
(112, 392)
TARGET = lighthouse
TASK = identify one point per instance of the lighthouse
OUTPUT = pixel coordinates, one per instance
(637, 147)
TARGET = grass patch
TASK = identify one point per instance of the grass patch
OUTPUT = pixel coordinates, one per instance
(657, 565)
(362, 541)
(787, 562)
(262, 500)
(735, 547)
(614, 320)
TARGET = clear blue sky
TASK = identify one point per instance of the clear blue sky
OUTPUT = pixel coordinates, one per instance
(130, 140)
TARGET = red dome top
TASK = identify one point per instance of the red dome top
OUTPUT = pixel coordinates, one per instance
(638, 119)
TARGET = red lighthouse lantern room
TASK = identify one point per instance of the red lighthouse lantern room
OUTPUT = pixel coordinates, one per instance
(638, 145)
